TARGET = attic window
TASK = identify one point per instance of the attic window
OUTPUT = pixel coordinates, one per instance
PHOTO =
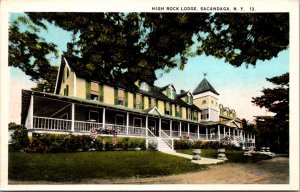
(144, 86)
(204, 102)
(171, 93)
(189, 99)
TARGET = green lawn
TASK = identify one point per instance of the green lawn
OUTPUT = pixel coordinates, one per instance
(84, 165)
(232, 155)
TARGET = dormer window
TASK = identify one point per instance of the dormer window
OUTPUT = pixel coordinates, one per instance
(171, 93)
(189, 99)
(144, 86)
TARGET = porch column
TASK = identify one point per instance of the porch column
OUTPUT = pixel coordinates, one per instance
(198, 130)
(229, 131)
(179, 128)
(31, 125)
(127, 122)
(73, 118)
(103, 118)
(188, 129)
(224, 131)
(206, 133)
(147, 126)
(159, 127)
(254, 140)
(170, 128)
(219, 133)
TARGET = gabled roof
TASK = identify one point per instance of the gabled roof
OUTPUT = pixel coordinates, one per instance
(183, 94)
(204, 86)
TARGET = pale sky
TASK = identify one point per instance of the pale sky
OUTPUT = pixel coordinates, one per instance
(236, 86)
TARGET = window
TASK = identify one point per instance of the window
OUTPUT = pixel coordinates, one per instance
(121, 97)
(144, 86)
(212, 102)
(152, 102)
(138, 100)
(195, 115)
(94, 88)
(94, 116)
(66, 90)
(189, 99)
(94, 97)
(167, 109)
(204, 102)
(204, 114)
(178, 111)
(188, 114)
(171, 93)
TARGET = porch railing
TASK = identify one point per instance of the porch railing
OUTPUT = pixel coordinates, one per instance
(138, 131)
(51, 123)
(84, 126)
(166, 139)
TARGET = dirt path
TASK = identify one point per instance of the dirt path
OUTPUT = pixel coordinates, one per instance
(274, 171)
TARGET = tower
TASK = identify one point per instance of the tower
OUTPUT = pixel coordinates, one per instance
(207, 98)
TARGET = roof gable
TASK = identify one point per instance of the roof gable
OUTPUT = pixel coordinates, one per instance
(204, 86)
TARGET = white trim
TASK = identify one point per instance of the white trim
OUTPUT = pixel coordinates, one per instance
(73, 118)
(57, 79)
(75, 85)
(154, 108)
(67, 64)
(207, 93)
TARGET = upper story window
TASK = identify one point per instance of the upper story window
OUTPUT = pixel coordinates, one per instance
(212, 102)
(167, 109)
(204, 102)
(178, 111)
(121, 97)
(188, 114)
(94, 90)
(195, 115)
(144, 86)
(171, 93)
(152, 102)
(190, 99)
(138, 101)
(66, 90)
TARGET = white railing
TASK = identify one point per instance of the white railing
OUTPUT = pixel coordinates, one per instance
(194, 135)
(51, 123)
(112, 128)
(202, 136)
(213, 137)
(167, 132)
(152, 139)
(84, 126)
(166, 139)
(175, 134)
(138, 131)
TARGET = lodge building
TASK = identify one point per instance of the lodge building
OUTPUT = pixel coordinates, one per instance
(80, 103)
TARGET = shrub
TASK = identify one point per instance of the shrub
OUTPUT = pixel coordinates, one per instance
(20, 140)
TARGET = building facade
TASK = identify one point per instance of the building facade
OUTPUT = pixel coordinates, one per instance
(160, 114)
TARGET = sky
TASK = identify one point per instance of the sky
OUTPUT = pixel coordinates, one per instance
(236, 85)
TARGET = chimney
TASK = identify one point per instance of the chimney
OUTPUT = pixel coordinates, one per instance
(182, 91)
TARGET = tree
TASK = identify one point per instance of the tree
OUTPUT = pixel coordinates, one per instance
(274, 130)
(131, 46)
(30, 53)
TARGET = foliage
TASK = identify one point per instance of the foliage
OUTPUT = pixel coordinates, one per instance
(30, 53)
(274, 130)
(96, 165)
(19, 138)
(186, 144)
(127, 47)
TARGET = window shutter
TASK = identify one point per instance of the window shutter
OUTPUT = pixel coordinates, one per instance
(101, 93)
(126, 99)
(116, 96)
(192, 101)
(134, 101)
(156, 103)
(88, 90)
(168, 92)
(171, 109)
(186, 99)
(143, 99)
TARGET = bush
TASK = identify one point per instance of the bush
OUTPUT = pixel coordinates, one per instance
(19, 138)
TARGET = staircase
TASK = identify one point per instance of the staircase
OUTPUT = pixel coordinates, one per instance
(163, 146)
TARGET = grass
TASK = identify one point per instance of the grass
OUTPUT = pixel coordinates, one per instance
(233, 156)
(101, 165)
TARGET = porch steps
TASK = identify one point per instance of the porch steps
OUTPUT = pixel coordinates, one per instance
(163, 146)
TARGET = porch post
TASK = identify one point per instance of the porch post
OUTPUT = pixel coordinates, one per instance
(73, 118)
(147, 126)
(31, 112)
(179, 128)
(159, 127)
(206, 133)
(170, 128)
(127, 122)
(198, 130)
(219, 133)
(103, 118)
(224, 131)
(188, 129)
(229, 131)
